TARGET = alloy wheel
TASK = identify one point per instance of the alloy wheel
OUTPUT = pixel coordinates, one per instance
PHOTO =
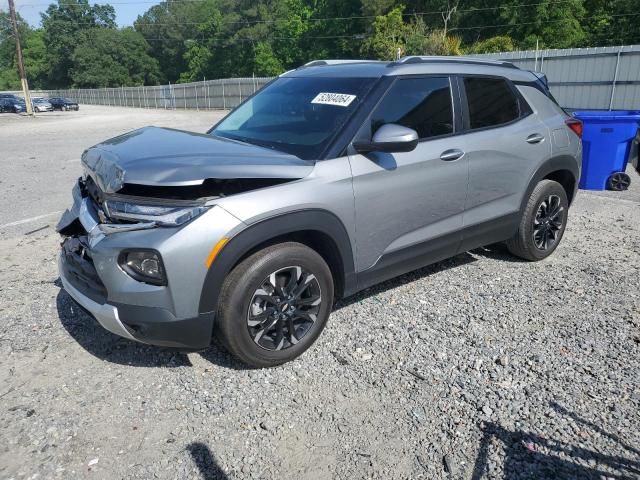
(548, 222)
(284, 308)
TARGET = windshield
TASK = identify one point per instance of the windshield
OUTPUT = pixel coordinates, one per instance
(295, 115)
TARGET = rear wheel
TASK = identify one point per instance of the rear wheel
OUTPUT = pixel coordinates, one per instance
(275, 304)
(542, 224)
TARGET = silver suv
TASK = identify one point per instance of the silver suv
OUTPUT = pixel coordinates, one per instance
(332, 178)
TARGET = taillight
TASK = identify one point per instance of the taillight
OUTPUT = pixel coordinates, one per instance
(575, 125)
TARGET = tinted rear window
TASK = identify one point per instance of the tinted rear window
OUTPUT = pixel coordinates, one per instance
(491, 102)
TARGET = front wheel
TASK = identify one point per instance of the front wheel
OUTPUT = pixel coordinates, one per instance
(275, 304)
(542, 224)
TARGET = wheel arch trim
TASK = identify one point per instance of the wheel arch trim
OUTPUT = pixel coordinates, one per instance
(308, 220)
(549, 167)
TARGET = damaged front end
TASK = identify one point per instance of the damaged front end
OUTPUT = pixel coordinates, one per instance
(95, 212)
(145, 217)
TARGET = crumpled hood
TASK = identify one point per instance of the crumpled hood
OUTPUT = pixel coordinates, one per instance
(166, 157)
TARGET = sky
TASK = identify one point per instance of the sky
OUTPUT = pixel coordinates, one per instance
(126, 10)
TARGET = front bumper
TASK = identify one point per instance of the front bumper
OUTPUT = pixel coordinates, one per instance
(105, 314)
(149, 325)
(164, 315)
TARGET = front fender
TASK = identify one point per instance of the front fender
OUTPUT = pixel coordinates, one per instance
(310, 220)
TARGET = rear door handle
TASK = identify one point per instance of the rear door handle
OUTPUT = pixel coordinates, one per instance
(535, 138)
(450, 155)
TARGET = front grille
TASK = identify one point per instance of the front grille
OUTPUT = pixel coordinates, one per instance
(80, 271)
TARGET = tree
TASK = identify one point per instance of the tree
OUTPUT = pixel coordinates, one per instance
(612, 21)
(173, 28)
(63, 25)
(112, 58)
(266, 63)
(389, 36)
(553, 24)
(33, 52)
(500, 43)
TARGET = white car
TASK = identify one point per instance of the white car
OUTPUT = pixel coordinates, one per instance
(41, 105)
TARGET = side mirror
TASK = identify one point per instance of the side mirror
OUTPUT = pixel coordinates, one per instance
(390, 138)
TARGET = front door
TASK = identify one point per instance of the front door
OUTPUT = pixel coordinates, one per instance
(409, 206)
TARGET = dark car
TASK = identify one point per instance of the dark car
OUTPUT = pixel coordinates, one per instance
(12, 105)
(60, 103)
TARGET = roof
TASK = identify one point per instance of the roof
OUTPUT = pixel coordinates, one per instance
(413, 65)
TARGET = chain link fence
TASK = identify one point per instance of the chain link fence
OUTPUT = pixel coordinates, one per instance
(582, 78)
(205, 95)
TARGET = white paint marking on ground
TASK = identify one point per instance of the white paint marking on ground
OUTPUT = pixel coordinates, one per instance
(28, 220)
(73, 160)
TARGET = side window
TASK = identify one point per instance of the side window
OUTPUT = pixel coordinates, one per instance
(491, 102)
(423, 104)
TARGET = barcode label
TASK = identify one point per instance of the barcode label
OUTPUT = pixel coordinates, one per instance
(338, 99)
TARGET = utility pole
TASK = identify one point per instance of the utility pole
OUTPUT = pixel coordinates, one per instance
(23, 77)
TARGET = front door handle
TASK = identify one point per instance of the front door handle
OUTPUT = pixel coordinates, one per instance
(535, 138)
(450, 155)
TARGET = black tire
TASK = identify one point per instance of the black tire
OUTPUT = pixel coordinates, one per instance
(237, 298)
(523, 244)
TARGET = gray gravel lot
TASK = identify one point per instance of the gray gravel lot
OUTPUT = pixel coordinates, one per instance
(481, 366)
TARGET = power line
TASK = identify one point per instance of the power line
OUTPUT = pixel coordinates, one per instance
(272, 21)
(537, 23)
(252, 22)
(360, 36)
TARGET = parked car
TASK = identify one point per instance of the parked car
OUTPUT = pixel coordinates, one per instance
(61, 103)
(11, 96)
(11, 105)
(334, 177)
(41, 105)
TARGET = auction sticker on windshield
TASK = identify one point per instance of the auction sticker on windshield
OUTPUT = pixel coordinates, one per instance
(338, 99)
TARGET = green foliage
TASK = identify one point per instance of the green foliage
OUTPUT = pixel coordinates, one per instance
(79, 43)
(63, 25)
(389, 36)
(266, 63)
(107, 57)
(500, 43)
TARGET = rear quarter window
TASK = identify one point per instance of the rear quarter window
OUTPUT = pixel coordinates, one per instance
(492, 102)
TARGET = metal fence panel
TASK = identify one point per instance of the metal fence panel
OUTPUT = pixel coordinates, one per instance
(586, 78)
(205, 95)
(579, 78)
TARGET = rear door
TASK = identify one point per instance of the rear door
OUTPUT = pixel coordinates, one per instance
(409, 205)
(504, 142)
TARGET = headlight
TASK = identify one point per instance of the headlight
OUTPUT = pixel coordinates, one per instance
(168, 216)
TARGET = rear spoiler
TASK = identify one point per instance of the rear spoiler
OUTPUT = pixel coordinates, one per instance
(542, 78)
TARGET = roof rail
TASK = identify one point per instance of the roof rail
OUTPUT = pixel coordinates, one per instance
(318, 63)
(450, 59)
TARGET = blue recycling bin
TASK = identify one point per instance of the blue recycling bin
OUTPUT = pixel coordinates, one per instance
(606, 143)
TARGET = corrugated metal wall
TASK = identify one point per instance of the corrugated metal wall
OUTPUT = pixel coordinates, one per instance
(586, 78)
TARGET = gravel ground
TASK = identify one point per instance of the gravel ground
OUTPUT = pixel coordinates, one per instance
(481, 366)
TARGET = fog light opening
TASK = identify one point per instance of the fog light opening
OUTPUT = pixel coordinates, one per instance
(144, 266)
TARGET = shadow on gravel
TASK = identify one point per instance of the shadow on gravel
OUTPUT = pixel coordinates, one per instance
(105, 345)
(499, 252)
(454, 262)
(528, 455)
(206, 462)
